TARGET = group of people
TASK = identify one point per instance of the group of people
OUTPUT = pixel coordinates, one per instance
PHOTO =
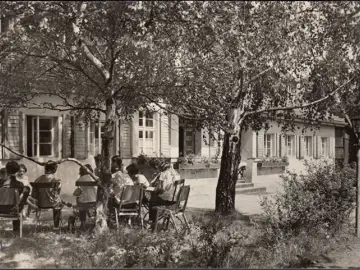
(14, 176)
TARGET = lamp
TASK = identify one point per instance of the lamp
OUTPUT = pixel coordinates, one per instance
(355, 121)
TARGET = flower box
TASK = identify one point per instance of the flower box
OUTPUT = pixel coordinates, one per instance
(266, 168)
(195, 166)
(272, 164)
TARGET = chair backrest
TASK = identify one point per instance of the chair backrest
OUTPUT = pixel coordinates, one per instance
(42, 189)
(131, 194)
(86, 184)
(177, 183)
(9, 196)
(45, 185)
(182, 198)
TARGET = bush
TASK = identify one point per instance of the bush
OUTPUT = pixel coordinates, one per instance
(318, 203)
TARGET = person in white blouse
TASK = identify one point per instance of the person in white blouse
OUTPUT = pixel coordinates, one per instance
(22, 177)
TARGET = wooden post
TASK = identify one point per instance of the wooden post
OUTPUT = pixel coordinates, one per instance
(357, 191)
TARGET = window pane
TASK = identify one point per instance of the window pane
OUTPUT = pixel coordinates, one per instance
(45, 124)
(151, 134)
(149, 115)
(149, 122)
(189, 133)
(141, 122)
(140, 134)
(188, 143)
(96, 130)
(141, 114)
(45, 137)
(45, 149)
(102, 129)
(35, 123)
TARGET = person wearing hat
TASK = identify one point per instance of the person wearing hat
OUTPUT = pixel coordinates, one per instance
(52, 195)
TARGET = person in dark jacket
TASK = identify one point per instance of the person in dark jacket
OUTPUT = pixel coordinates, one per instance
(12, 168)
(52, 195)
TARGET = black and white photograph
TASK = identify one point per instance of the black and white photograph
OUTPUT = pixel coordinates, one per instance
(179, 134)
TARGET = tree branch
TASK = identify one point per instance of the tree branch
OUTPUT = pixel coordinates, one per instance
(95, 61)
(57, 108)
(93, 176)
(171, 111)
(301, 106)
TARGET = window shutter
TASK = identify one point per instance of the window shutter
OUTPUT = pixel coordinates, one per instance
(282, 145)
(331, 141)
(66, 136)
(297, 146)
(260, 138)
(2, 132)
(318, 146)
(80, 139)
(13, 134)
(302, 146)
(164, 127)
(125, 139)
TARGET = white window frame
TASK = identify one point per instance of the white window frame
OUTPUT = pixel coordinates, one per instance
(37, 119)
(324, 147)
(308, 141)
(292, 152)
(146, 131)
(268, 144)
(92, 131)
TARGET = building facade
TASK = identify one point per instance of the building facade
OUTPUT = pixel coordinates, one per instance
(45, 134)
(327, 142)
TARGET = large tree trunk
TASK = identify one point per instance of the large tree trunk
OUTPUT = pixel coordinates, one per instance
(106, 146)
(230, 160)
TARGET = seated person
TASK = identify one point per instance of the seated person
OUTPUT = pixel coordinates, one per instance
(98, 163)
(136, 176)
(53, 194)
(139, 179)
(85, 195)
(116, 161)
(3, 175)
(164, 190)
(22, 177)
(119, 180)
(12, 168)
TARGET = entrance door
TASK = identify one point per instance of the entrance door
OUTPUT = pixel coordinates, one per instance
(189, 141)
(181, 142)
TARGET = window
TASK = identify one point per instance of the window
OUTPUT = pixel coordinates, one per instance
(290, 145)
(40, 136)
(308, 146)
(268, 145)
(146, 132)
(96, 134)
(324, 150)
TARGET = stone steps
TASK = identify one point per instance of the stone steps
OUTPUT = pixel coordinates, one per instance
(250, 190)
(243, 185)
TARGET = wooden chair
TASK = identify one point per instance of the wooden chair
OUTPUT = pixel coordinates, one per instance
(178, 183)
(83, 206)
(9, 200)
(42, 201)
(169, 213)
(130, 195)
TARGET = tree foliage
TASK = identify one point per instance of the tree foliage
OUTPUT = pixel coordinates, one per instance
(226, 65)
